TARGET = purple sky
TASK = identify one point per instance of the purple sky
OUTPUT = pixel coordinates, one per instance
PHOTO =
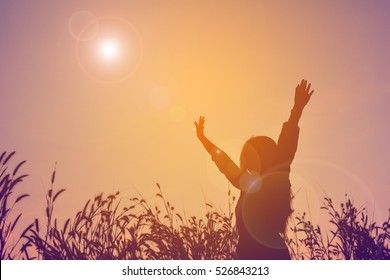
(236, 62)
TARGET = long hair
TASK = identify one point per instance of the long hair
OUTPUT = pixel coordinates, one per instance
(272, 204)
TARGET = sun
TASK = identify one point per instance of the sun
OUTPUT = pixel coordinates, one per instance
(109, 49)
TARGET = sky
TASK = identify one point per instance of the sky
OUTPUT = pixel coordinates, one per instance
(108, 92)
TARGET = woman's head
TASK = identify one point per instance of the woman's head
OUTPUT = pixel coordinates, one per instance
(258, 154)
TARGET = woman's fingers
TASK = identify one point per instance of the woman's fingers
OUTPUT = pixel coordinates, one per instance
(308, 88)
(201, 120)
(200, 123)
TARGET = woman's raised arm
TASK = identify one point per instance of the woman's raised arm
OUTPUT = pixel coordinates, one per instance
(220, 158)
(288, 138)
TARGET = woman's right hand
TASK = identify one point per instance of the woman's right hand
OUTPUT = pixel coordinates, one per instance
(302, 95)
(200, 127)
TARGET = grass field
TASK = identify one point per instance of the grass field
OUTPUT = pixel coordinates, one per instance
(112, 227)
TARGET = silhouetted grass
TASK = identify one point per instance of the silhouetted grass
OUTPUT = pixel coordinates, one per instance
(9, 240)
(352, 235)
(108, 227)
(106, 230)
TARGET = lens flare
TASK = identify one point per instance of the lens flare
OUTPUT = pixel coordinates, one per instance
(264, 208)
(113, 53)
(334, 180)
(250, 181)
(109, 50)
(232, 147)
(79, 21)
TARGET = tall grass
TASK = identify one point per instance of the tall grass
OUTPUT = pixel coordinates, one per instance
(352, 235)
(110, 227)
(9, 220)
(104, 229)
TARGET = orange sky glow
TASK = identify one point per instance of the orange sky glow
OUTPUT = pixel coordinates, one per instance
(119, 115)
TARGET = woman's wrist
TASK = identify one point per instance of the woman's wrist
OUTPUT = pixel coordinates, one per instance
(201, 137)
(297, 109)
(295, 115)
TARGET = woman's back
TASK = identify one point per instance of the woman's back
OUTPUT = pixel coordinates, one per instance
(261, 217)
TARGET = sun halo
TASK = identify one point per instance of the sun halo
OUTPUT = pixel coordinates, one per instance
(109, 49)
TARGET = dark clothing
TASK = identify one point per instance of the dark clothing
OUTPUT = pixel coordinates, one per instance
(263, 206)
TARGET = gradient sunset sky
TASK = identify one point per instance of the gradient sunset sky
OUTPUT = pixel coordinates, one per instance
(127, 124)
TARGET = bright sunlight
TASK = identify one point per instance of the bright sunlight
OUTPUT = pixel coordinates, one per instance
(109, 50)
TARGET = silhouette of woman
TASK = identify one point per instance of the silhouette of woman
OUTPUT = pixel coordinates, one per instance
(264, 205)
